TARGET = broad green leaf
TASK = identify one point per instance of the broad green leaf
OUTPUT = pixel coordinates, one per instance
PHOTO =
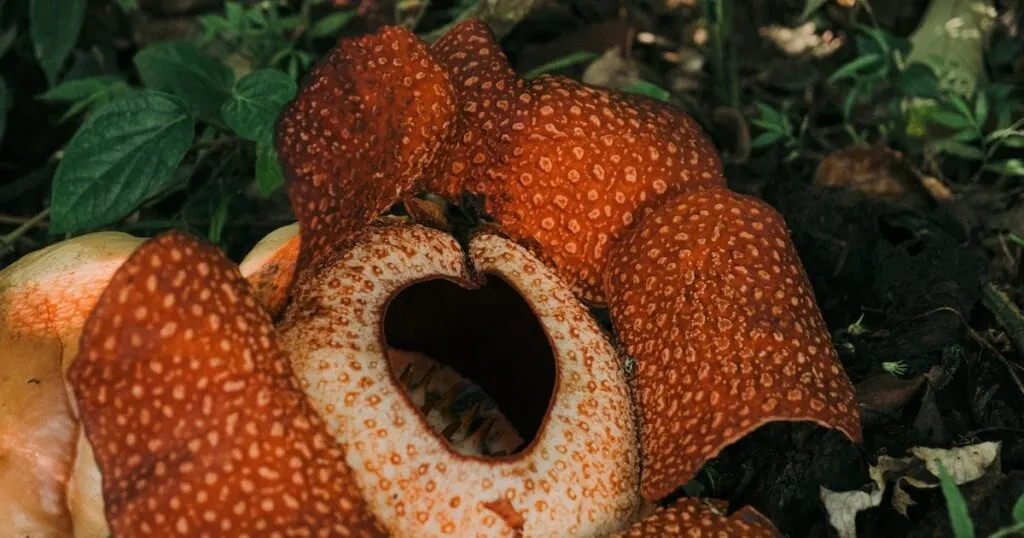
(269, 174)
(960, 150)
(122, 152)
(55, 25)
(856, 65)
(561, 63)
(918, 80)
(951, 39)
(649, 89)
(959, 517)
(79, 89)
(181, 69)
(1010, 167)
(1018, 510)
(331, 24)
(256, 102)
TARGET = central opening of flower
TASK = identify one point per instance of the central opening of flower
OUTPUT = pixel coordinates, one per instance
(477, 363)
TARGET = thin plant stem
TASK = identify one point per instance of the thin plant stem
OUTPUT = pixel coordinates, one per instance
(7, 241)
(723, 60)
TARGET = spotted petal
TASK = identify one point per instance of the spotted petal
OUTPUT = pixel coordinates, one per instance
(192, 411)
(708, 295)
(369, 119)
(695, 518)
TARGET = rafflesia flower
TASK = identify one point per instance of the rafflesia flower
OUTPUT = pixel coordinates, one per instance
(354, 377)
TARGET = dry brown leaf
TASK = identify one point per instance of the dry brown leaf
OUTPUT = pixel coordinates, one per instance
(920, 471)
(882, 172)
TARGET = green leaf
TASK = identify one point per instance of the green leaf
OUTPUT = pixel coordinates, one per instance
(234, 12)
(219, 220)
(960, 105)
(55, 25)
(766, 139)
(959, 517)
(1018, 510)
(854, 66)
(896, 43)
(256, 102)
(981, 109)
(1010, 167)
(958, 149)
(1003, 133)
(118, 91)
(872, 40)
(767, 126)
(649, 89)
(122, 152)
(79, 89)
(212, 24)
(949, 119)
(966, 135)
(1014, 141)
(561, 63)
(331, 24)
(850, 101)
(269, 174)
(181, 69)
(769, 114)
(918, 80)
(88, 92)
